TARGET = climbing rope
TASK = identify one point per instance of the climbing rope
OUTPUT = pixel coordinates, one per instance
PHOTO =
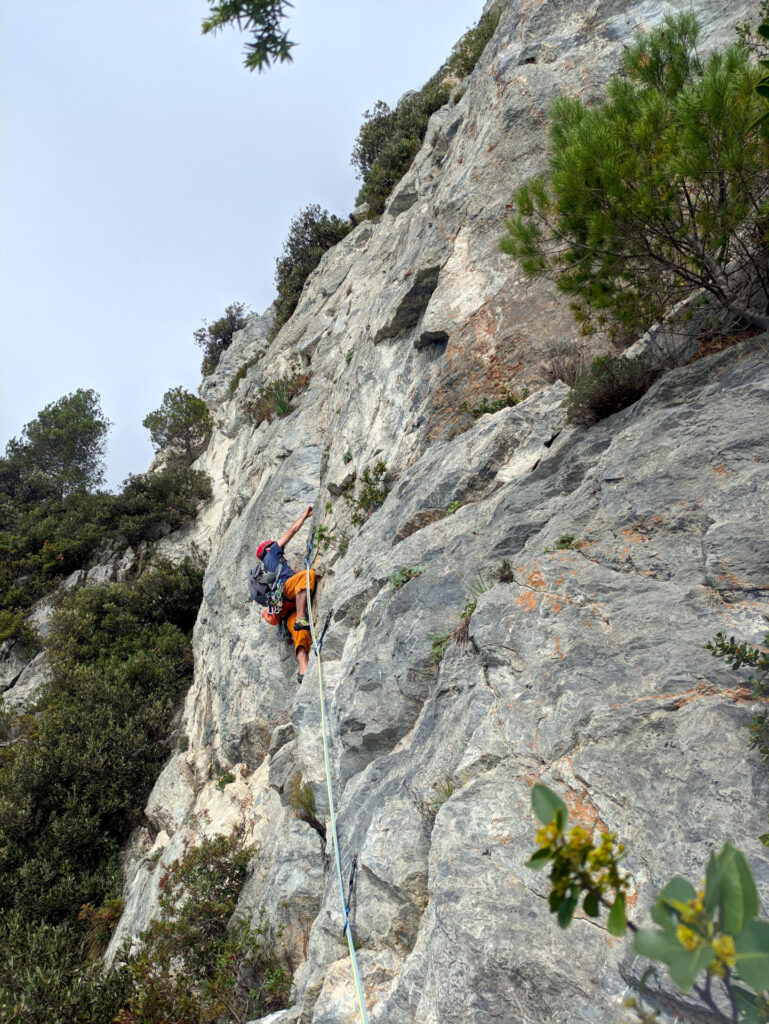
(347, 930)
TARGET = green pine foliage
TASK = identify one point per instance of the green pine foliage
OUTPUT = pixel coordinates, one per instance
(656, 192)
(312, 233)
(181, 427)
(61, 450)
(389, 139)
(216, 337)
(263, 19)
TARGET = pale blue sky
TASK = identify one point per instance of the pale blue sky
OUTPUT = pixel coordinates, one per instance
(148, 180)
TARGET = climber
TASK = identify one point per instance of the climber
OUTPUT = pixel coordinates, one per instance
(293, 609)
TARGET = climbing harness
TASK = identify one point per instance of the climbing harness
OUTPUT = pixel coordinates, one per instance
(347, 930)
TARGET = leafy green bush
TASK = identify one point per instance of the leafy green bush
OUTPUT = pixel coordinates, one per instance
(197, 964)
(389, 140)
(612, 383)
(311, 233)
(656, 192)
(704, 937)
(152, 504)
(275, 397)
(45, 539)
(48, 977)
(216, 337)
(14, 626)
(374, 488)
(70, 793)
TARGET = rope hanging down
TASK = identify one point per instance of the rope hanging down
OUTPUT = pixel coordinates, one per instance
(347, 930)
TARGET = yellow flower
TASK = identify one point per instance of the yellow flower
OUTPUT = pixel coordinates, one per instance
(723, 947)
(580, 837)
(687, 938)
(547, 834)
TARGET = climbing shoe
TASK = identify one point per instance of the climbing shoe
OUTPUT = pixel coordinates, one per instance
(299, 678)
(300, 624)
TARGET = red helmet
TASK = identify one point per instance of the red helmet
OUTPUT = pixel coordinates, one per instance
(263, 547)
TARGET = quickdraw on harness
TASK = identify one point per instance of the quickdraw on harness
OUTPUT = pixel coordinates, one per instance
(347, 928)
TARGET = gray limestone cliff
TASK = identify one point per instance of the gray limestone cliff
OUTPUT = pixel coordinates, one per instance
(586, 670)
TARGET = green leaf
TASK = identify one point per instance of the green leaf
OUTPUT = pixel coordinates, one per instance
(679, 890)
(656, 945)
(548, 806)
(765, 837)
(538, 859)
(567, 908)
(590, 905)
(762, 90)
(739, 899)
(752, 946)
(747, 1004)
(617, 923)
(763, 29)
(687, 964)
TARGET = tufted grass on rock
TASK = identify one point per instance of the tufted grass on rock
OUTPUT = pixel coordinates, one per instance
(610, 384)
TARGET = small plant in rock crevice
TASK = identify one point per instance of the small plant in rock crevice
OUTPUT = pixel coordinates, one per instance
(275, 397)
(224, 780)
(442, 789)
(736, 654)
(373, 488)
(440, 641)
(402, 575)
(505, 572)
(504, 400)
(453, 507)
(302, 799)
(610, 384)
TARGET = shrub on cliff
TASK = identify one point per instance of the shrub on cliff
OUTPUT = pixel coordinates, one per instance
(216, 337)
(388, 140)
(74, 784)
(311, 234)
(44, 537)
(660, 190)
(197, 964)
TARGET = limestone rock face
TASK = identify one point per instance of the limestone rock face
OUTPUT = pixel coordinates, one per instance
(583, 668)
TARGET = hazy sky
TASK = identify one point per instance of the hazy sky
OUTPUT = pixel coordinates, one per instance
(148, 180)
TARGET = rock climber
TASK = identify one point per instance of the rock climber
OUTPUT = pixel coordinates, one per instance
(294, 608)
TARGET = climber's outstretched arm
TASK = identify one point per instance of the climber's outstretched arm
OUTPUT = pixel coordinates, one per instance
(293, 530)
